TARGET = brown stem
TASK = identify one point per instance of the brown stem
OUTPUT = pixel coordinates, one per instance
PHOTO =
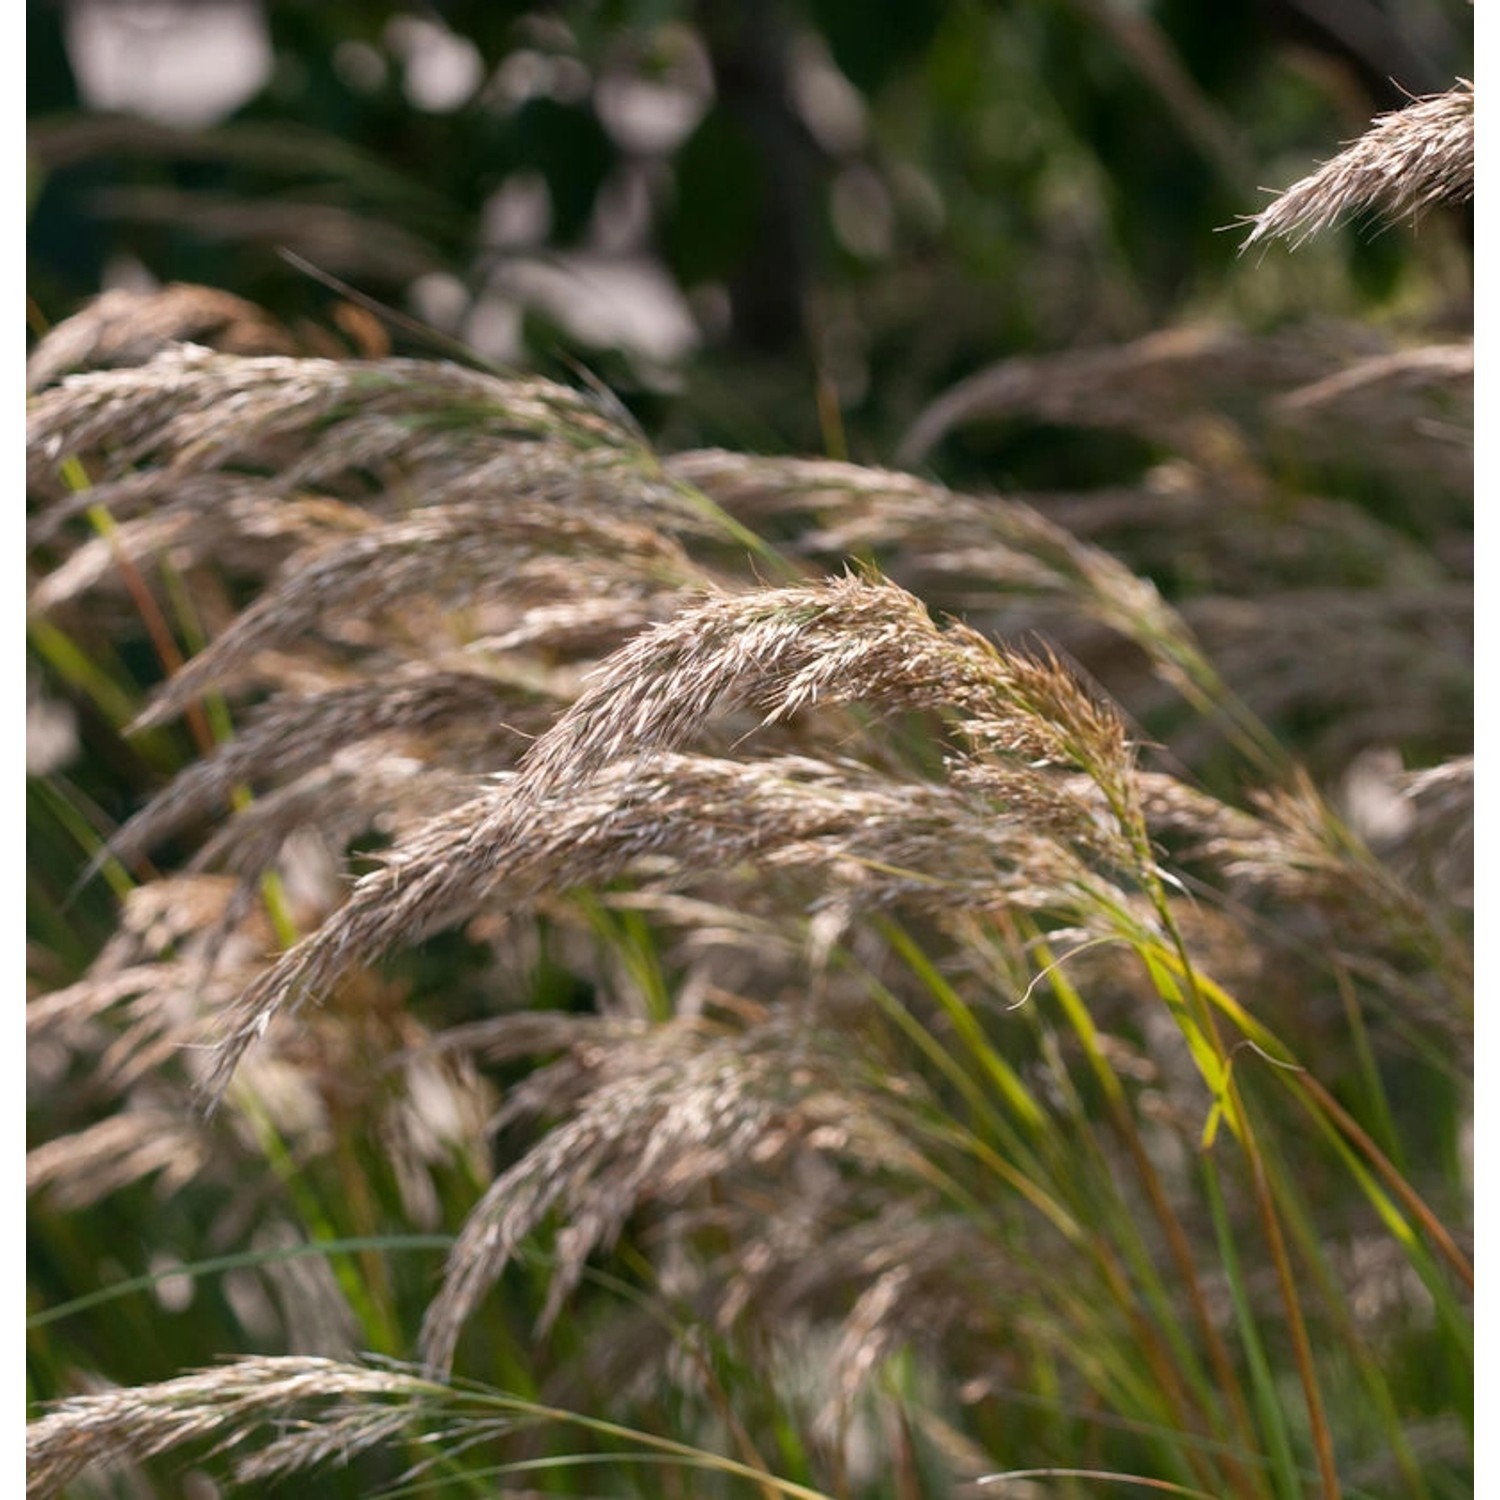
(1389, 1174)
(1301, 1345)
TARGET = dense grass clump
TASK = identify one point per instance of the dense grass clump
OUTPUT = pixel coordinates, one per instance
(706, 974)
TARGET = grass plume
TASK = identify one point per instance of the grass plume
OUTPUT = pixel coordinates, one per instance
(1408, 161)
(856, 998)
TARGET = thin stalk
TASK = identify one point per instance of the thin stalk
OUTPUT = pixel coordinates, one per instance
(693, 1457)
(1000, 1072)
(378, 1327)
(1095, 1252)
(1114, 1216)
(1107, 1476)
(1229, 1098)
(1267, 1398)
(1015, 1093)
(1296, 1324)
(1229, 1095)
(951, 1069)
(692, 1350)
(1176, 1236)
(88, 838)
(1317, 1098)
(385, 1243)
(74, 667)
(1334, 1303)
(1306, 1084)
(162, 640)
(221, 726)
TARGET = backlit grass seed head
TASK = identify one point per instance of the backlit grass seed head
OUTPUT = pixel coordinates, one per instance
(124, 327)
(250, 534)
(799, 1088)
(682, 819)
(225, 1406)
(461, 720)
(844, 641)
(680, 1108)
(1165, 386)
(442, 557)
(1406, 162)
(81, 1168)
(926, 532)
(191, 410)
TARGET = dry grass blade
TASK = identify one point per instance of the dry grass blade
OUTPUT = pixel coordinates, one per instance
(1436, 846)
(192, 409)
(229, 1404)
(663, 1116)
(685, 818)
(80, 1169)
(451, 556)
(847, 640)
(467, 717)
(1406, 162)
(124, 327)
(251, 533)
(931, 531)
(1159, 385)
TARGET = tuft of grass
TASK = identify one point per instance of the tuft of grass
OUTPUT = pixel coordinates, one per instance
(1406, 162)
(858, 975)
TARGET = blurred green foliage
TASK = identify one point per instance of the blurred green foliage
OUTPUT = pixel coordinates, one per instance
(844, 207)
